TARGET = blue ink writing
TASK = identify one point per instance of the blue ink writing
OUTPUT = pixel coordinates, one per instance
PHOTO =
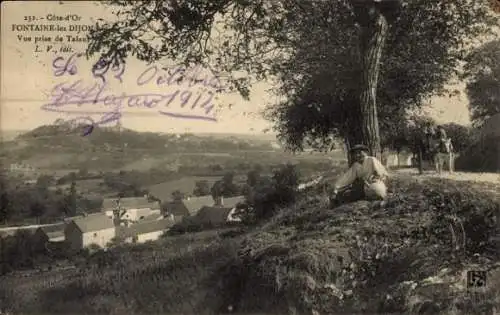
(100, 68)
(165, 76)
(70, 96)
(78, 93)
(62, 66)
(84, 123)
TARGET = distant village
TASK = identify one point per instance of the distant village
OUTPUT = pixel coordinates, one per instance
(134, 220)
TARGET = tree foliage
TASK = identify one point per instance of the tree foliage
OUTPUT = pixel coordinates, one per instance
(225, 187)
(271, 193)
(20, 203)
(311, 47)
(71, 200)
(178, 195)
(420, 57)
(483, 87)
(461, 136)
(202, 188)
(253, 177)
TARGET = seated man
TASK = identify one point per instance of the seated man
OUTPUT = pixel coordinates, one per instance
(364, 179)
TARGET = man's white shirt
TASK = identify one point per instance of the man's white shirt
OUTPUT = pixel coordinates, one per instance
(369, 167)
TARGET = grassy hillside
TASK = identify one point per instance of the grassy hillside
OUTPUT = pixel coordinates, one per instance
(358, 258)
(482, 156)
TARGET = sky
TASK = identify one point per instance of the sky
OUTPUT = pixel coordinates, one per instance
(28, 78)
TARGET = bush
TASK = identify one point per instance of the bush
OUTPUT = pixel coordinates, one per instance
(461, 136)
(188, 224)
(269, 194)
(19, 251)
(482, 156)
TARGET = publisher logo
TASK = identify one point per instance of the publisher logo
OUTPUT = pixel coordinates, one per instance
(495, 5)
(476, 279)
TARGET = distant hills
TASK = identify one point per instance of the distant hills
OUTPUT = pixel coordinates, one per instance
(9, 135)
(62, 146)
(58, 135)
(259, 137)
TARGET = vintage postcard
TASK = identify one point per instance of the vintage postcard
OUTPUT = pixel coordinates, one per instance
(250, 157)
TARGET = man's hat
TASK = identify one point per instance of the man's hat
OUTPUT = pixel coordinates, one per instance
(360, 147)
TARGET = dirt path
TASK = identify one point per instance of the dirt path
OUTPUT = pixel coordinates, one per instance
(483, 181)
(493, 178)
(24, 227)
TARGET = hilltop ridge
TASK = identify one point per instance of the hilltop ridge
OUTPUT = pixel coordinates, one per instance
(62, 146)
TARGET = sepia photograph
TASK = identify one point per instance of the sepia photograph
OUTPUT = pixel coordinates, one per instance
(250, 157)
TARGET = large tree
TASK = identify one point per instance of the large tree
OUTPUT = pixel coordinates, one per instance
(483, 87)
(259, 37)
(202, 188)
(321, 85)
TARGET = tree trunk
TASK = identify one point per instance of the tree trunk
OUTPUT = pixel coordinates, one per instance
(348, 147)
(373, 33)
(353, 136)
(420, 161)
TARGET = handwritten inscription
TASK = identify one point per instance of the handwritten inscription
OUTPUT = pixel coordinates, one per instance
(93, 98)
(79, 93)
(61, 66)
(165, 76)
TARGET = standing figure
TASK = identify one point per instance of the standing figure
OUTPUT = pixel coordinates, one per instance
(443, 150)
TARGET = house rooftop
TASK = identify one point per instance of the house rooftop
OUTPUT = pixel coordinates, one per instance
(153, 217)
(214, 214)
(231, 202)
(58, 227)
(189, 206)
(95, 222)
(55, 234)
(194, 204)
(145, 227)
(129, 203)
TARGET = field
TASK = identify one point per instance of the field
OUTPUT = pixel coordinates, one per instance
(358, 258)
(186, 185)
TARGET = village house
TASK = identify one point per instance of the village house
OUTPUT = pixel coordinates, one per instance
(192, 205)
(153, 217)
(144, 231)
(91, 229)
(230, 202)
(30, 182)
(50, 233)
(132, 209)
(223, 211)
(188, 206)
(213, 215)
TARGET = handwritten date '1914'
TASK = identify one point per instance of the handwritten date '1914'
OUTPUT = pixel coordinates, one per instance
(69, 97)
(78, 93)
